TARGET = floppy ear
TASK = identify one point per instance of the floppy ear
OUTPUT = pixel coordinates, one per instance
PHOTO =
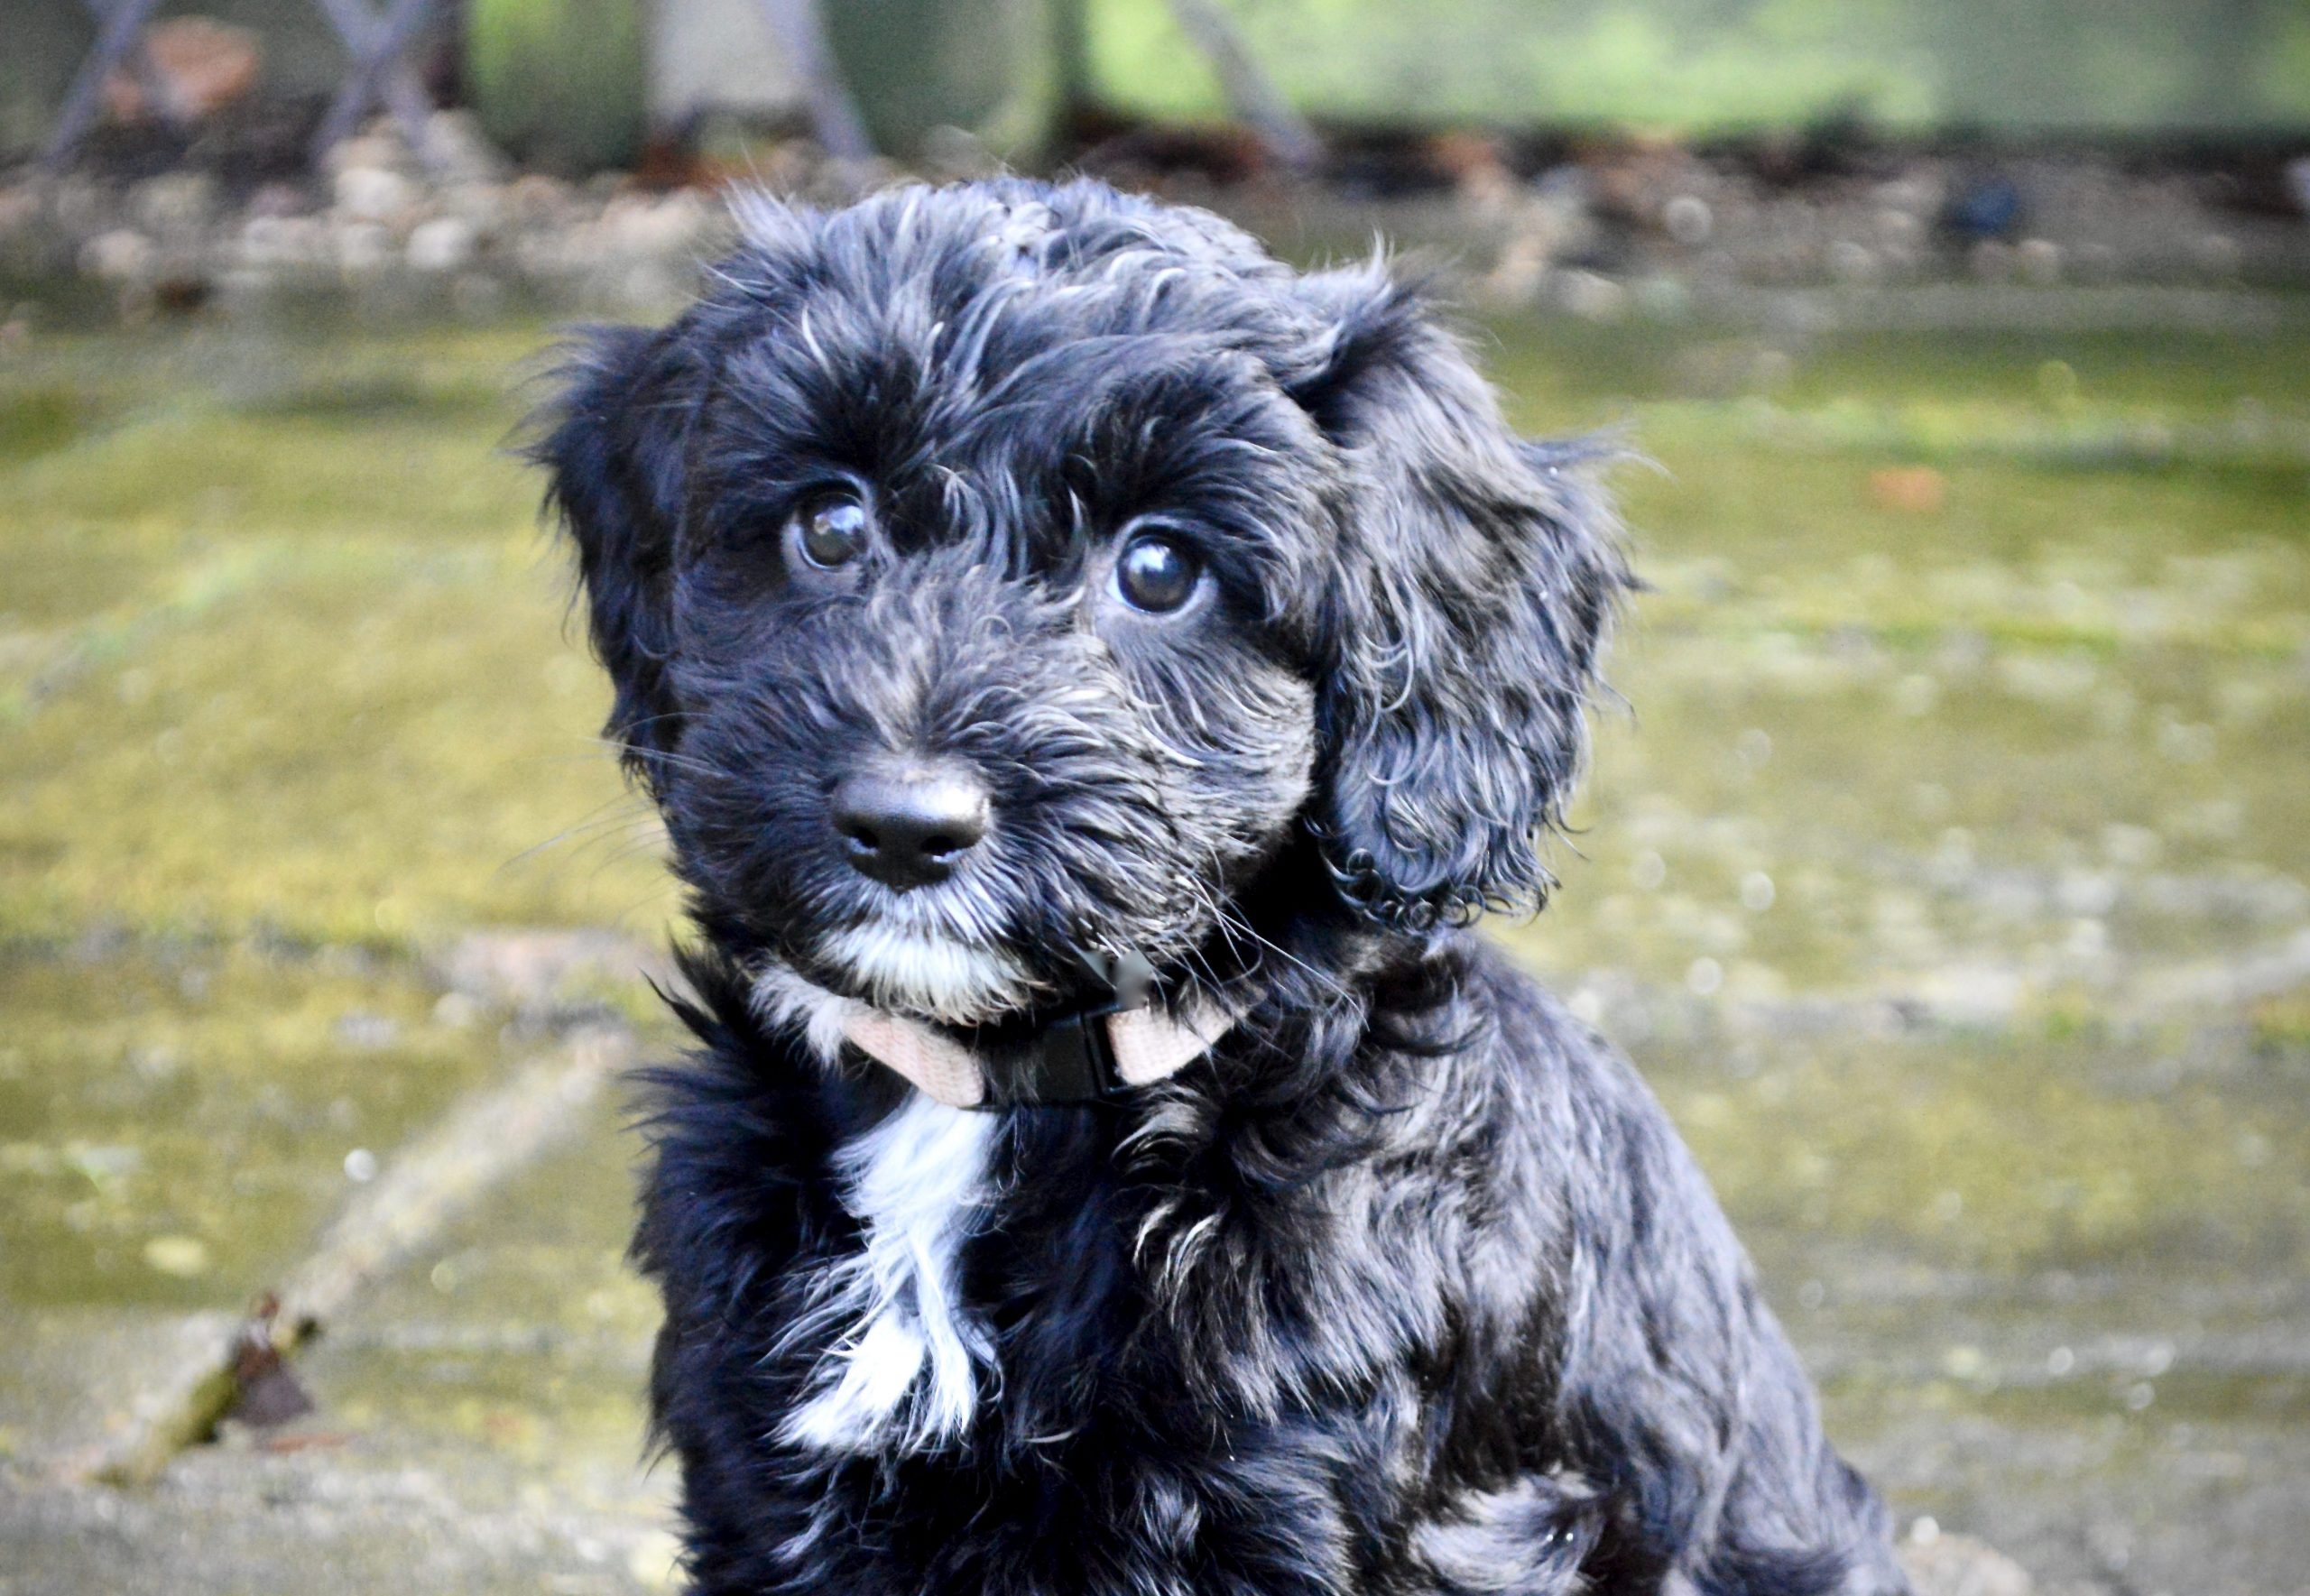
(1477, 576)
(616, 448)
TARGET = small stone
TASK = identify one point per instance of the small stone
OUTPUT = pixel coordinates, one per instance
(1688, 220)
(1985, 206)
(1516, 278)
(19, 210)
(270, 241)
(1591, 297)
(378, 150)
(484, 205)
(442, 244)
(372, 194)
(180, 1258)
(80, 205)
(122, 255)
(278, 200)
(653, 230)
(2040, 259)
(1992, 260)
(364, 248)
(1851, 261)
(536, 199)
(1899, 229)
(462, 151)
(176, 202)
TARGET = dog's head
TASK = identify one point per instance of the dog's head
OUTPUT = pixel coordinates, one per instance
(992, 573)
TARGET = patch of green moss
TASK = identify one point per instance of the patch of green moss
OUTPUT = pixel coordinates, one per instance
(2006, 1153)
(366, 742)
(523, 1330)
(34, 419)
(175, 1122)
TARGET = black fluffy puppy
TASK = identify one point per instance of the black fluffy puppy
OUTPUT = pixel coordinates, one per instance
(1007, 584)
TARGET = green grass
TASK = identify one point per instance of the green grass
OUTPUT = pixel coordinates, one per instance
(1707, 66)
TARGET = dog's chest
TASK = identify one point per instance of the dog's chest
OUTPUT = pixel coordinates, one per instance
(1002, 1277)
(900, 1352)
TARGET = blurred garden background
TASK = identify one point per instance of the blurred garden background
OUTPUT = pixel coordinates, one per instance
(1946, 864)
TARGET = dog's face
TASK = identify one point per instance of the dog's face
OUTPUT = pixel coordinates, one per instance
(994, 573)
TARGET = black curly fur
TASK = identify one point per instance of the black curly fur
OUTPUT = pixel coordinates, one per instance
(1406, 1286)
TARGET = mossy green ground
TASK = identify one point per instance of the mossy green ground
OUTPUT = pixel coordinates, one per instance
(1946, 867)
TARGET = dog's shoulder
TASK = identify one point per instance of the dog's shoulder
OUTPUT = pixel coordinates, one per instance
(744, 1129)
(1528, 1029)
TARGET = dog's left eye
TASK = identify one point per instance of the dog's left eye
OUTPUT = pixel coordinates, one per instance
(831, 532)
(1156, 573)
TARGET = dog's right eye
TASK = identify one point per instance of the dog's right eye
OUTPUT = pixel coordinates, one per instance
(1156, 573)
(829, 532)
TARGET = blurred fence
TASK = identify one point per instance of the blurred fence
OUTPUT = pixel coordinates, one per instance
(2026, 67)
(583, 81)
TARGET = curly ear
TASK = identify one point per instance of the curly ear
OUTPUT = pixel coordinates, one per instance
(1478, 575)
(615, 446)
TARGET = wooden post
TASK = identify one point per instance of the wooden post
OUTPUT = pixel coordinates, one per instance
(800, 32)
(124, 27)
(1250, 91)
(377, 47)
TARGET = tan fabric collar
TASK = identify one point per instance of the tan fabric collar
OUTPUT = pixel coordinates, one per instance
(1101, 1055)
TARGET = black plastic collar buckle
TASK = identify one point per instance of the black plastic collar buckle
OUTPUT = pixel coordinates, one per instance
(1071, 1059)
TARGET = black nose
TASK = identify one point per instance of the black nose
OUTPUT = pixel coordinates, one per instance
(909, 830)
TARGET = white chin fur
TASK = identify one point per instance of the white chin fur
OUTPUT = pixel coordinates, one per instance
(920, 973)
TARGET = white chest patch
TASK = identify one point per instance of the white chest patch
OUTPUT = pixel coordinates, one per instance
(901, 1374)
